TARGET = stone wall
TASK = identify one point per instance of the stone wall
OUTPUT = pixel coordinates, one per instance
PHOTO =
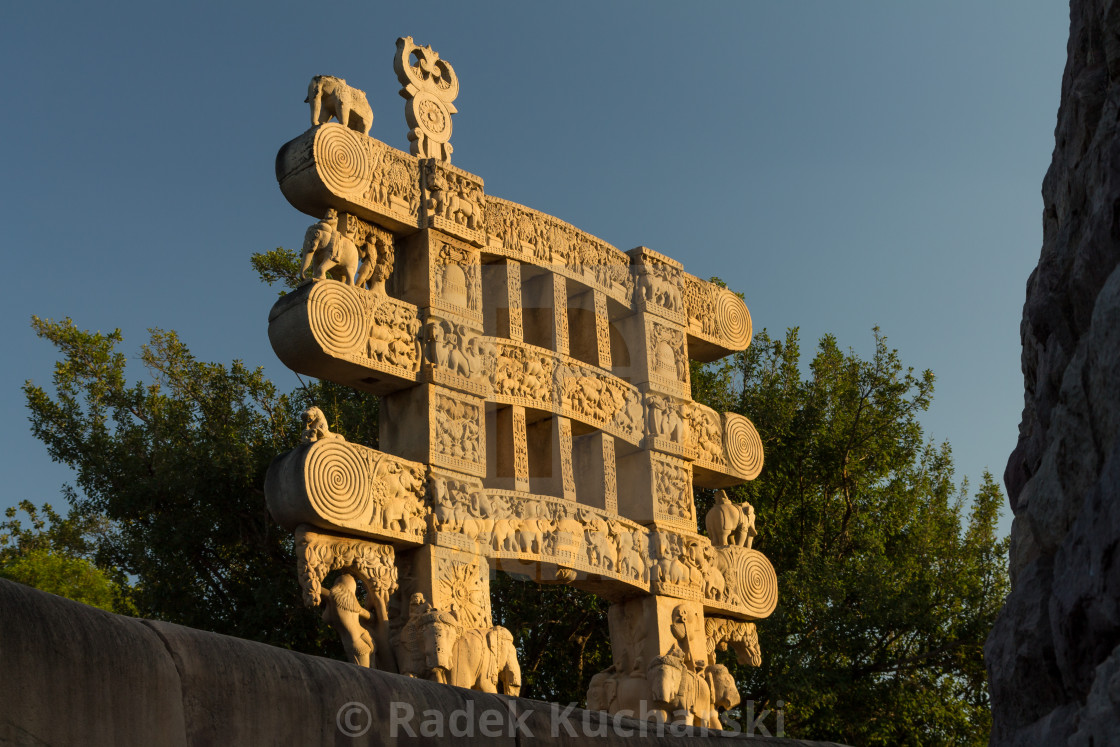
(72, 674)
(1053, 657)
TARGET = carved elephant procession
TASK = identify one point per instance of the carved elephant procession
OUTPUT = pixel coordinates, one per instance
(535, 417)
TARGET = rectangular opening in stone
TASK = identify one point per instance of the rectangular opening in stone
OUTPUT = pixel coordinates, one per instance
(620, 347)
(591, 472)
(500, 446)
(542, 436)
(496, 300)
(582, 337)
(538, 307)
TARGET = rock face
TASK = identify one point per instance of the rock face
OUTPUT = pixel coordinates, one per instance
(1053, 657)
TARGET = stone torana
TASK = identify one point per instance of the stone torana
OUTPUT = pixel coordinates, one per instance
(536, 418)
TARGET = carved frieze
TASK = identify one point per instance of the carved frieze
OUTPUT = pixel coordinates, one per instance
(525, 234)
(333, 166)
(522, 375)
(334, 484)
(717, 317)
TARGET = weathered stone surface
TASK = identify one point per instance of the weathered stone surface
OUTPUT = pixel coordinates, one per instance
(73, 674)
(1051, 656)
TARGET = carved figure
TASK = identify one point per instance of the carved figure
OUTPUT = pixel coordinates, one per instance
(462, 209)
(730, 524)
(332, 97)
(683, 692)
(337, 259)
(377, 264)
(345, 614)
(478, 659)
(315, 426)
(724, 692)
(316, 237)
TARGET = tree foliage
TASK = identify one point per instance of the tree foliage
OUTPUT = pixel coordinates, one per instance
(889, 576)
(54, 554)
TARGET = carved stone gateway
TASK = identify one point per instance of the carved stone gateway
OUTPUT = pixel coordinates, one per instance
(536, 418)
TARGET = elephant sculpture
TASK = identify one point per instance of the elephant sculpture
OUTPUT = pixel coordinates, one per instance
(329, 251)
(671, 688)
(729, 523)
(681, 691)
(332, 97)
(474, 658)
(724, 692)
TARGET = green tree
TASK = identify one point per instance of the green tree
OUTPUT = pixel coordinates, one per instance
(53, 554)
(889, 577)
(176, 465)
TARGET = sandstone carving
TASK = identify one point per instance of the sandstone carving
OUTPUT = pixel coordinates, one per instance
(343, 612)
(730, 524)
(315, 426)
(332, 97)
(430, 85)
(536, 417)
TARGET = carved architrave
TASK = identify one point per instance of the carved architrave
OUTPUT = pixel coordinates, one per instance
(334, 166)
(453, 202)
(523, 375)
(717, 317)
(458, 427)
(743, 446)
(598, 398)
(341, 333)
(337, 485)
(750, 580)
(525, 234)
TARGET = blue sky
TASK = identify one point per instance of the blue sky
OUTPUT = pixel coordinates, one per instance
(844, 165)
